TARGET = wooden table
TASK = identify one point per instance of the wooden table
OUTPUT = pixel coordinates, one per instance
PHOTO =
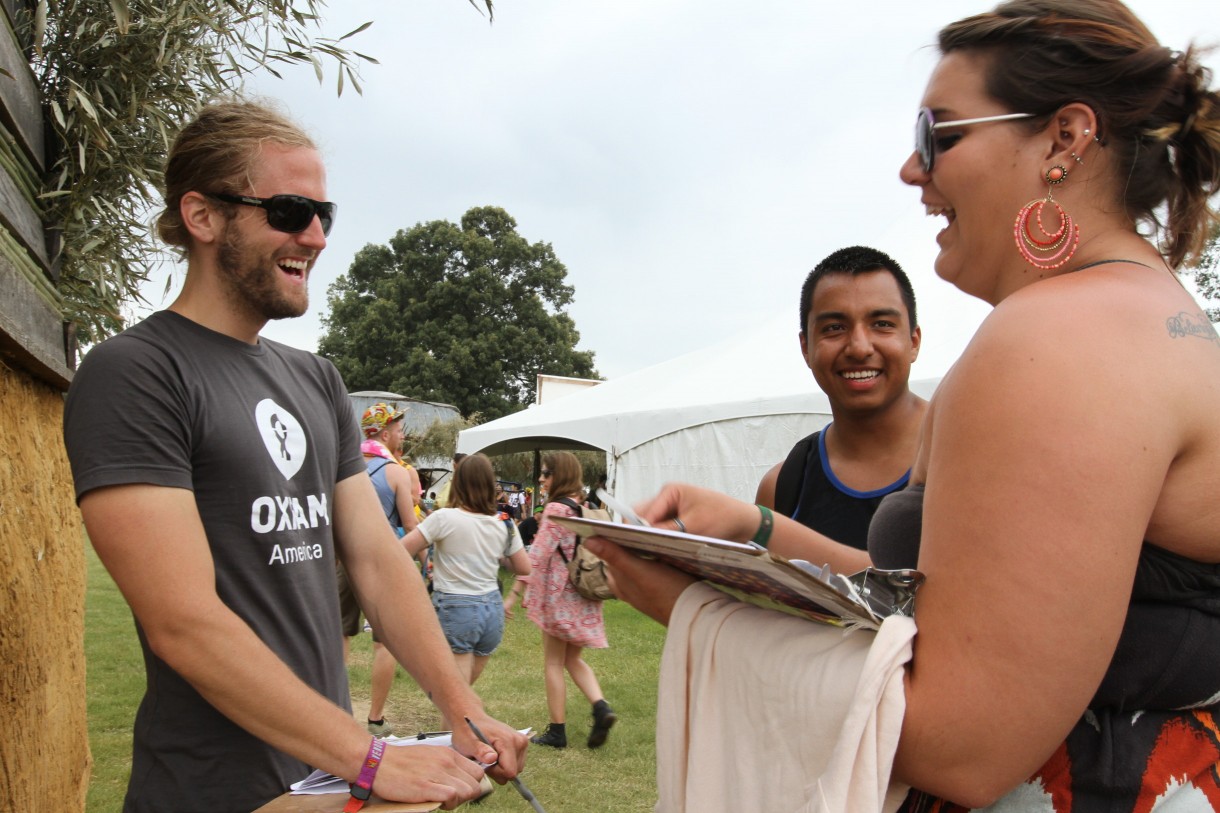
(334, 802)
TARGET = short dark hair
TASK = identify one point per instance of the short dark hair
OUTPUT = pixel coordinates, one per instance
(856, 260)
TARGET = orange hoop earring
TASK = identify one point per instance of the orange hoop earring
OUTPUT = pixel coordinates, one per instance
(1052, 250)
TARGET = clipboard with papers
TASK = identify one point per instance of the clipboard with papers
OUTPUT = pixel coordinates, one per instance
(321, 792)
(753, 574)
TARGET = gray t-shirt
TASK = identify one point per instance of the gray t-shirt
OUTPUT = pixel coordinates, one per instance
(260, 434)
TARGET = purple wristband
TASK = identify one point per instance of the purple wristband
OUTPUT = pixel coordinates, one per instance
(362, 788)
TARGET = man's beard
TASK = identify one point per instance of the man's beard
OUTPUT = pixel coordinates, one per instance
(253, 284)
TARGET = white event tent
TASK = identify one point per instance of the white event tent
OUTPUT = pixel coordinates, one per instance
(719, 417)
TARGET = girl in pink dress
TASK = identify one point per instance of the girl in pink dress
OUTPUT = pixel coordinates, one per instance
(569, 623)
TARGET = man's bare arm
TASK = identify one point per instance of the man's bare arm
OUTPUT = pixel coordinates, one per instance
(417, 494)
(400, 480)
(152, 541)
(396, 601)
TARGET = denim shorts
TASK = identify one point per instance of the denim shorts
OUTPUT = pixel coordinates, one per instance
(471, 623)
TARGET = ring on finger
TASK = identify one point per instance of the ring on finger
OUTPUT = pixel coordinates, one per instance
(679, 524)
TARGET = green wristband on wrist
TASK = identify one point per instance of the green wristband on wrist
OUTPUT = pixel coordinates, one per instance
(763, 535)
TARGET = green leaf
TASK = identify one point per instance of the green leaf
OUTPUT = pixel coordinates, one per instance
(356, 31)
(40, 26)
(83, 100)
(122, 15)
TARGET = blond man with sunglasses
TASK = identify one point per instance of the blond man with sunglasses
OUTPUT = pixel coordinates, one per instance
(219, 475)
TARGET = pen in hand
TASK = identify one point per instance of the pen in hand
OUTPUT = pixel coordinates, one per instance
(525, 792)
(624, 512)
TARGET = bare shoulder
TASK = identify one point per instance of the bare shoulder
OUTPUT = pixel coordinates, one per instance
(1122, 323)
(395, 473)
(766, 487)
(1052, 455)
(1112, 374)
(1144, 305)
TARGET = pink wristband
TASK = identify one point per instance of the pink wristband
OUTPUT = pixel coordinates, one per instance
(362, 788)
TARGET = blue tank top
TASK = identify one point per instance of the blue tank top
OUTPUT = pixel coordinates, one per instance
(376, 469)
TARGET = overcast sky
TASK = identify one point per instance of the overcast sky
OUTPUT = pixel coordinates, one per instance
(689, 160)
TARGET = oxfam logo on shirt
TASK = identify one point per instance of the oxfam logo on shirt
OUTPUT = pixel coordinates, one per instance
(282, 435)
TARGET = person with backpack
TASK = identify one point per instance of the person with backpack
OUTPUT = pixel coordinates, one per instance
(382, 427)
(569, 622)
(470, 540)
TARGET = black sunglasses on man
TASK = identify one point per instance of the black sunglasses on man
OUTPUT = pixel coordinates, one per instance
(287, 213)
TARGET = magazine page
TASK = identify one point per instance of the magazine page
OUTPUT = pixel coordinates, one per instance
(751, 573)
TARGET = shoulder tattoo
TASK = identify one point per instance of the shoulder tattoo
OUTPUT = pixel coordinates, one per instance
(1192, 324)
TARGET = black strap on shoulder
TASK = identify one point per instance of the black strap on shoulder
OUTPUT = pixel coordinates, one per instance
(580, 512)
(570, 503)
(384, 463)
(792, 475)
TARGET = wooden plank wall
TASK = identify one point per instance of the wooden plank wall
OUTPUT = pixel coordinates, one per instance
(44, 752)
(33, 336)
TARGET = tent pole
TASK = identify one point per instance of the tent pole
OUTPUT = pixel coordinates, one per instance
(537, 475)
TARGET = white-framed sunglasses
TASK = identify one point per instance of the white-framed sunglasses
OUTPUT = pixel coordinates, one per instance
(926, 126)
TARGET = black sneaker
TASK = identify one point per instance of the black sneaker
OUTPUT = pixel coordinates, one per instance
(555, 736)
(604, 719)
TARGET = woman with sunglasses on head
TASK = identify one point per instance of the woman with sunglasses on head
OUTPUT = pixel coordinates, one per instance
(1063, 505)
(569, 622)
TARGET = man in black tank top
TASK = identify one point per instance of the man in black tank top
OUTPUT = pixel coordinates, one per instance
(859, 336)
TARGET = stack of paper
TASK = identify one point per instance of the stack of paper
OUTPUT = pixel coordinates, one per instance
(320, 782)
(753, 574)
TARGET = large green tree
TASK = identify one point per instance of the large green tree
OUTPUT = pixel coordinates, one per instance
(468, 314)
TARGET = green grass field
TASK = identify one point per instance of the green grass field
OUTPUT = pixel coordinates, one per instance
(620, 777)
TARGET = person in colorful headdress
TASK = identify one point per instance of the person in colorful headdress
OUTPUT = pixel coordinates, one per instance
(376, 422)
(381, 425)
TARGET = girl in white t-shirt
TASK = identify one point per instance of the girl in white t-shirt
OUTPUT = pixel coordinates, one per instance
(470, 541)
